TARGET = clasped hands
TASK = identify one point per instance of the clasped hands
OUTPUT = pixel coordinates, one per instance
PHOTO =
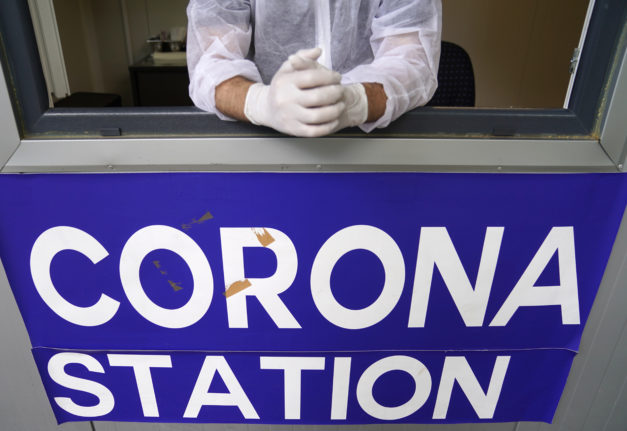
(306, 99)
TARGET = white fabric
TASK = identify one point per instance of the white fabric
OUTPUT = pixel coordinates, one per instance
(299, 101)
(356, 101)
(352, 98)
(392, 42)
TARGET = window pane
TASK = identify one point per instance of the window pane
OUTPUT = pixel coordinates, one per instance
(520, 50)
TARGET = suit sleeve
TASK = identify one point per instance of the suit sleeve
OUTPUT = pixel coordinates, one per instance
(218, 43)
(406, 37)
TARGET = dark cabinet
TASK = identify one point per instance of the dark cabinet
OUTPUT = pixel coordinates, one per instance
(157, 84)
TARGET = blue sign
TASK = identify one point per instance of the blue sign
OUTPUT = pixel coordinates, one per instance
(307, 298)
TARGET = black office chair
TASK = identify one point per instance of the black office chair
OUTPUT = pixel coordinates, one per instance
(456, 79)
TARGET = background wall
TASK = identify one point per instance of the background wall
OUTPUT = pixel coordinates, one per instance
(520, 50)
(101, 39)
(71, 19)
(23, 402)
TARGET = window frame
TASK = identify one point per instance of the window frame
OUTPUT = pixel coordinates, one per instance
(466, 139)
(21, 59)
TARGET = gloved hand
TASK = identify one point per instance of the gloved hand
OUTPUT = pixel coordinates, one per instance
(307, 102)
(353, 95)
(356, 106)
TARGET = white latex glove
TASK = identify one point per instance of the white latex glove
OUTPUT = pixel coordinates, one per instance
(354, 95)
(356, 106)
(306, 102)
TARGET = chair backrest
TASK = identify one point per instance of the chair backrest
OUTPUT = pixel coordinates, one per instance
(456, 79)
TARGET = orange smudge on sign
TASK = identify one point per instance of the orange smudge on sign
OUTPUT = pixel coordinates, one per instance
(264, 237)
(236, 287)
(204, 218)
(175, 286)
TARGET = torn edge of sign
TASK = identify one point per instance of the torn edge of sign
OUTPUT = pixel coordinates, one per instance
(263, 236)
(237, 287)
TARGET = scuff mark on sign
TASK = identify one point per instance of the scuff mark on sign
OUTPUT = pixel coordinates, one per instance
(204, 218)
(263, 236)
(236, 287)
(175, 286)
(157, 265)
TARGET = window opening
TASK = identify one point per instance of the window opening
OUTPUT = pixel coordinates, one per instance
(519, 52)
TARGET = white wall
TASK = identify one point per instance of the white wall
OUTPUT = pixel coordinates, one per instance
(149, 17)
(163, 14)
(23, 402)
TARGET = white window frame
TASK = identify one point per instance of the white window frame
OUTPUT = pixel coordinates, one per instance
(50, 48)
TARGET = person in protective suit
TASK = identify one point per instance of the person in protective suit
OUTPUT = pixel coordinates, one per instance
(252, 60)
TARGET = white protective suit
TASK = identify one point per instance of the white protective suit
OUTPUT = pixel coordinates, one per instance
(392, 42)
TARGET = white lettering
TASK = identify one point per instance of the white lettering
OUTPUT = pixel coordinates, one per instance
(357, 238)
(436, 248)
(266, 290)
(292, 369)
(526, 294)
(141, 368)
(46, 247)
(456, 368)
(413, 367)
(153, 238)
(235, 397)
(56, 370)
(341, 380)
